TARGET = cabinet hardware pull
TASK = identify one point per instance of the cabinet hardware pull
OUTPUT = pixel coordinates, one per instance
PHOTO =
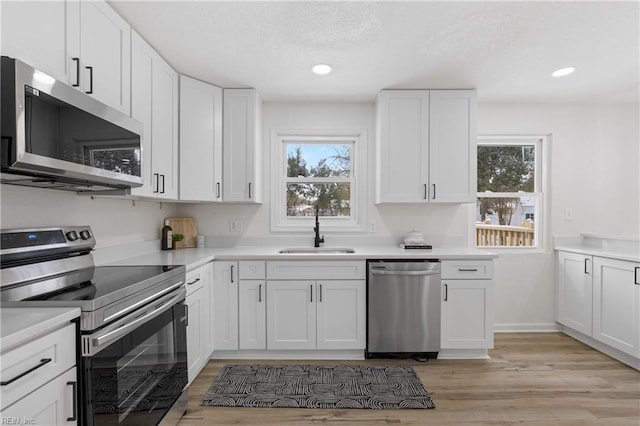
(434, 191)
(320, 293)
(186, 315)
(467, 269)
(635, 275)
(77, 61)
(90, 80)
(43, 362)
(157, 188)
(586, 270)
(446, 292)
(249, 190)
(259, 292)
(217, 189)
(162, 192)
(231, 273)
(311, 291)
(425, 191)
(194, 281)
(74, 391)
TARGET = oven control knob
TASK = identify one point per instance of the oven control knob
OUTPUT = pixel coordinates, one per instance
(85, 235)
(72, 235)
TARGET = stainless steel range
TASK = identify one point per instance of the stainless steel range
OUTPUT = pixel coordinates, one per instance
(132, 343)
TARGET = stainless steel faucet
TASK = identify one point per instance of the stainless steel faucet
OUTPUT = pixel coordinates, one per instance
(318, 239)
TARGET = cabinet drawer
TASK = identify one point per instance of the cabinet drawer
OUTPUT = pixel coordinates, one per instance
(316, 270)
(251, 270)
(467, 269)
(46, 357)
(195, 279)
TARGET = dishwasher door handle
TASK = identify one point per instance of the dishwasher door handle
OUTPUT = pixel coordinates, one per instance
(380, 272)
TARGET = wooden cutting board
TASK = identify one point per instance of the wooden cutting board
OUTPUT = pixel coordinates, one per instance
(186, 226)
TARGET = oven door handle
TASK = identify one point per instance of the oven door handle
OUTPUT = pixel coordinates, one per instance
(159, 307)
(142, 302)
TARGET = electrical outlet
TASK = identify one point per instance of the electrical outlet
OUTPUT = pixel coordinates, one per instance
(235, 225)
(372, 226)
(568, 214)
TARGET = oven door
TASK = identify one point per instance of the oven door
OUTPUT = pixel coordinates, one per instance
(136, 368)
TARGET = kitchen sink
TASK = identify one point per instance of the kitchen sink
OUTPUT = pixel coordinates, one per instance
(316, 250)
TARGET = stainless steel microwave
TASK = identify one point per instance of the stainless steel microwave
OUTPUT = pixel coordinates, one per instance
(56, 136)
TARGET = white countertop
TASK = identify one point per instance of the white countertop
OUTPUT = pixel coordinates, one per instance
(194, 257)
(21, 325)
(599, 251)
(603, 246)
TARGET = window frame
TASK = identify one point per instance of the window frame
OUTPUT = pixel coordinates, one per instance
(541, 228)
(280, 222)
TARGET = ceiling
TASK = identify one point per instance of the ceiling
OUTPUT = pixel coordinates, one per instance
(506, 50)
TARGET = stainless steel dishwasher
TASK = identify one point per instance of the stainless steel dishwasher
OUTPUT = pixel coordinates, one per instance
(403, 308)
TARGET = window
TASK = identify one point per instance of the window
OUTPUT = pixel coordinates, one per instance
(510, 192)
(316, 172)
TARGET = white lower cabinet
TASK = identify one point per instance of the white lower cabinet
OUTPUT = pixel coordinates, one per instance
(574, 291)
(599, 297)
(225, 305)
(616, 304)
(467, 305)
(198, 328)
(321, 313)
(51, 404)
(252, 321)
(40, 380)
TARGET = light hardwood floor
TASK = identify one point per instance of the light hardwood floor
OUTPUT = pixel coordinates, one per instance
(534, 379)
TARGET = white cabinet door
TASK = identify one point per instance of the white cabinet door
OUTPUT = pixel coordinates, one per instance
(51, 404)
(402, 155)
(142, 59)
(291, 315)
(452, 146)
(105, 55)
(252, 323)
(195, 333)
(241, 145)
(467, 314)
(154, 102)
(574, 291)
(36, 33)
(616, 304)
(225, 305)
(341, 314)
(206, 275)
(200, 141)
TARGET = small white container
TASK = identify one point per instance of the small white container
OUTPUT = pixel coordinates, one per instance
(200, 241)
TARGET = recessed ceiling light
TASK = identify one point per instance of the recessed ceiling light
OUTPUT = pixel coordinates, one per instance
(563, 71)
(321, 69)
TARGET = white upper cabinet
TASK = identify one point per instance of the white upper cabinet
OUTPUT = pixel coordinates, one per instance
(242, 152)
(36, 33)
(426, 146)
(154, 102)
(83, 43)
(200, 141)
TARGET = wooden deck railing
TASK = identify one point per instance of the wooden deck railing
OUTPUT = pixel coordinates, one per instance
(503, 235)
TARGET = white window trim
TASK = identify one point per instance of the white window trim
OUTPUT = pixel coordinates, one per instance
(356, 222)
(542, 229)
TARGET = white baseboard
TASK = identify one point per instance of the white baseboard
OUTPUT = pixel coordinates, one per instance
(289, 355)
(527, 327)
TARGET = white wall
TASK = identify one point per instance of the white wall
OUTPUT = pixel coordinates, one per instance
(114, 221)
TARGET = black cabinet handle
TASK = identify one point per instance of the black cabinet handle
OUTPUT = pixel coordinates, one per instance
(43, 362)
(635, 275)
(90, 80)
(231, 273)
(259, 292)
(446, 292)
(586, 270)
(311, 292)
(433, 186)
(217, 189)
(74, 398)
(194, 281)
(157, 188)
(249, 190)
(320, 293)
(77, 61)
(425, 191)
(162, 192)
